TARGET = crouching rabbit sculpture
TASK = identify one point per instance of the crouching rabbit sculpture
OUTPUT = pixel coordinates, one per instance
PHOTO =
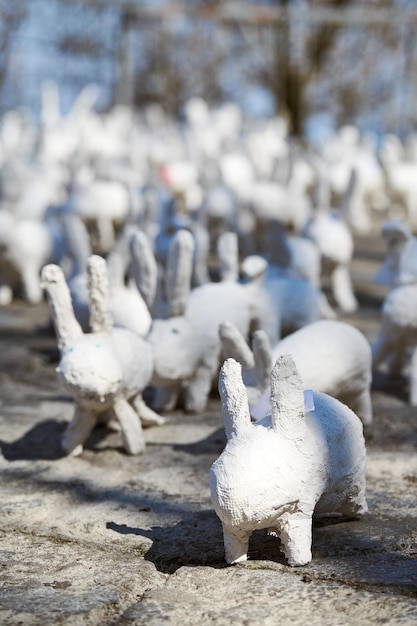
(278, 472)
(106, 370)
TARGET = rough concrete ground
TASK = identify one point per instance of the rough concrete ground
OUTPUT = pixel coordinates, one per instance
(108, 539)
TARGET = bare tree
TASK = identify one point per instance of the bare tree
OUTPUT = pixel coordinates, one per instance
(293, 75)
(12, 15)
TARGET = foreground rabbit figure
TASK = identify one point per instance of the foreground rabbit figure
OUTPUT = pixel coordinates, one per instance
(106, 370)
(278, 472)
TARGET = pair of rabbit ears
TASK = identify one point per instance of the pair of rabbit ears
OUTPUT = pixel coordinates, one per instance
(178, 271)
(179, 267)
(235, 346)
(66, 325)
(287, 399)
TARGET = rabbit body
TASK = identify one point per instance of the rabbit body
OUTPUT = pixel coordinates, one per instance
(335, 358)
(25, 246)
(398, 335)
(280, 471)
(187, 347)
(331, 356)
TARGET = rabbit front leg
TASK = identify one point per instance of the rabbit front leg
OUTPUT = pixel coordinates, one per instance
(397, 359)
(133, 439)
(106, 234)
(361, 404)
(78, 430)
(236, 543)
(148, 417)
(199, 386)
(413, 378)
(342, 289)
(166, 398)
(31, 283)
(383, 344)
(296, 537)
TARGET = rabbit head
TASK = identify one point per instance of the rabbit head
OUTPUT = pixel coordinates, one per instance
(90, 372)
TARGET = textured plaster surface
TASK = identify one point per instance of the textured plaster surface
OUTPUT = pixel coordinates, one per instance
(110, 539)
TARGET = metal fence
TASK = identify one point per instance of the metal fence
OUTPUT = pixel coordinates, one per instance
(169, 52)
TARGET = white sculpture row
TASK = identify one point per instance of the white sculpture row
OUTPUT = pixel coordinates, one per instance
(161, 333)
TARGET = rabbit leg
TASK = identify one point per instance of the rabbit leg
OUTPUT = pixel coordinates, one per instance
(78, 430)
(236, 543)
(296, 536)
(326, 310)
(166, 398)
(342, 289)
(198, 389)
(31, 283)
(106, 234)
(382, 346)
(131, 426)
(362, 406)
(413, 378)
(355, 505)
(397, 359)
(148, 417)
(6, 295)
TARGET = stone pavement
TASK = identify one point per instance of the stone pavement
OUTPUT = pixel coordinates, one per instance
(108, 539)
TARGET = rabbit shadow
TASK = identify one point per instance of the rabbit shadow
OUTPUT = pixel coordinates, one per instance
(212, 445)
(197, 540)
(43, 442)
(395, 386)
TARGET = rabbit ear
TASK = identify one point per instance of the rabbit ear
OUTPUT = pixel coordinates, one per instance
(234, 345)
(263, 357)
(115, 269)
(228, 253)
(287, 398)
(276, 244)
(144, 267)
(98, 292)
(179, 271)
(67, 329)
(77, 240)
(346, 200)
(234, 399)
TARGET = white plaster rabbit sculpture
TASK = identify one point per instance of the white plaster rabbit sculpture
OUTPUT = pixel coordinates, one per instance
(279, 472)
(25, 246)
(331, 356)
(400, 177)
(103, 205)
(186, 341)
(297, 256)
(400, 264)
(280, 301)
(106, 370)
(396, 342)
(330, 230)
(334, 239)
